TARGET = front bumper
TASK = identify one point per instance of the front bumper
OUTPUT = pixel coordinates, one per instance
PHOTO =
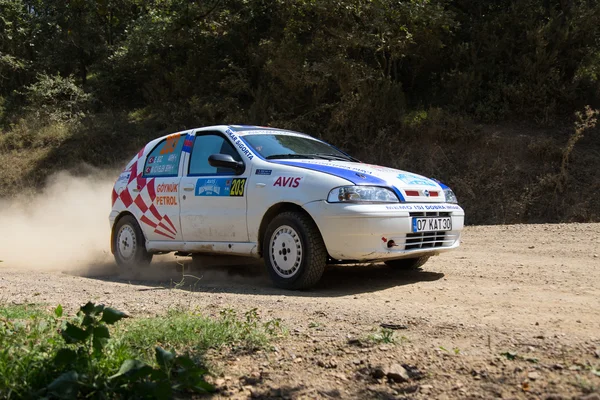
(363, 232)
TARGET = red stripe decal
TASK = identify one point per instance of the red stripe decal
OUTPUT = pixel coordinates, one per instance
(433, 194)
(147, 221)
(125, 197)
(164, 234)
(133, 173)
(170, 223)
(141, 204)
(166, 228)
(114, 197)
(151, 189)
(141, 182)
(154, 212)
(412, 192)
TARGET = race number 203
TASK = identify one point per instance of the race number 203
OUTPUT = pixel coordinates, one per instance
(237, 187)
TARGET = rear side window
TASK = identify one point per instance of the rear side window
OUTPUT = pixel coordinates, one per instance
(163, 161)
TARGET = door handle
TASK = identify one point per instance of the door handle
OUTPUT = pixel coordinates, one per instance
(188, 188)
(261, 185)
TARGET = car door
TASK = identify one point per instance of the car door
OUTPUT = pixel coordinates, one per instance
(213, 200)
(158, 200)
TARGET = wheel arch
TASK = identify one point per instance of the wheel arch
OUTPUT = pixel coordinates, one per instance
(272, 212)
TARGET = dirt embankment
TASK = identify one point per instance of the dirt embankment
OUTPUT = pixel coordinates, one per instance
(514, 313)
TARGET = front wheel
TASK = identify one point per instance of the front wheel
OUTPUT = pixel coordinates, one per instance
(294, 251)
(129, 244)
(407, 263)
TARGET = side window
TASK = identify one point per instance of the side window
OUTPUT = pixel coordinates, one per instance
(163, 161)
(204, 147)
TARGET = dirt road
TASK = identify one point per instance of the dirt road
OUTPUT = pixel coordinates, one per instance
(514, 313)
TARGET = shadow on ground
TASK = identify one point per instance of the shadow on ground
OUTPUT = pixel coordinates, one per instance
(250, 277)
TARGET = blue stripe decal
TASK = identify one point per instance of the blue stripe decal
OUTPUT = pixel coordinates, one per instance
(443, 186)
(188, 143)
(344, 174)
(398, 193)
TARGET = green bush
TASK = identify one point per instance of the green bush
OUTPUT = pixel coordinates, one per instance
(355, 65)
(56, 99)
(81, 357)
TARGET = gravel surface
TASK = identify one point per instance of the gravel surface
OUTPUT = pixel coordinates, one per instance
(513, 313)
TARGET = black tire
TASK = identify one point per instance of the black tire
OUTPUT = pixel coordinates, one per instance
(130, 253)
(300, 239)
(407, 263)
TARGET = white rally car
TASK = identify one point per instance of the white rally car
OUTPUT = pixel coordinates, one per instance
(287, 197)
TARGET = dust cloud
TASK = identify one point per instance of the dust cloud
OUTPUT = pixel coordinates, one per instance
(63, 226)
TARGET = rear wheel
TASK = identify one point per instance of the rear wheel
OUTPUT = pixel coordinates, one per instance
(407, 263)
(294, 251)
(129, 244)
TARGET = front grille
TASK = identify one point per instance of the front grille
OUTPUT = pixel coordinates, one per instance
(429, 214)
(427, 240)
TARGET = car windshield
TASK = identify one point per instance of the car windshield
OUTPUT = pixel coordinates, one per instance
(292, 146)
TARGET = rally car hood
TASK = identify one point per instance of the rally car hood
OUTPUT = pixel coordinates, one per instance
(410, 186)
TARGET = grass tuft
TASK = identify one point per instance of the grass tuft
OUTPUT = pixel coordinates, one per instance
(20, 311)
(43, 353)
(193, 332)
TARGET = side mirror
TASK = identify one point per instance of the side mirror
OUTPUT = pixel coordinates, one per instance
(226, 161)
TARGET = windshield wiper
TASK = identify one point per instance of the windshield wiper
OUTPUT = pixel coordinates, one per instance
(322, 156)
(295, 155)
(340, 157)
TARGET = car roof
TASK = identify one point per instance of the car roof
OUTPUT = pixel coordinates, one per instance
(240, 130)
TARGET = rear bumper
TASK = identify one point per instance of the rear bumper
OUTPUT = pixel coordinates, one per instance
(372, 232)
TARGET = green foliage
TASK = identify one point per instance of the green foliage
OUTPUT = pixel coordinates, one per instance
(392, 82)
(14, 58)
(527, 58)
(385, 335)
(47, 356)
(198, 333)
(26, 348)
(21, 311)
(56, 98)
(90, 335)
(341, 66)
(510, 355)
(173, 374)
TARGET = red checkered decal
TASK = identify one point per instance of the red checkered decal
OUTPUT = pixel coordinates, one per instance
(140, 193)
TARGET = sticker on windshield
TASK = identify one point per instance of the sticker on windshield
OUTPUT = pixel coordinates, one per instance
(188, 143)
(170, 144)
(240, 144)
(220, 187)
(412, 179)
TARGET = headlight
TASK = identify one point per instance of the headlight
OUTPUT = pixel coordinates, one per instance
(360, 194)
(450, 196)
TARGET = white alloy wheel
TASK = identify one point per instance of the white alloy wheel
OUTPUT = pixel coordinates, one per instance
(293, 250)
(286, 251)
(126, 242)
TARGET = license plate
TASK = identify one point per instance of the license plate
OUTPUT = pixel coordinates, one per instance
(431, 224)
